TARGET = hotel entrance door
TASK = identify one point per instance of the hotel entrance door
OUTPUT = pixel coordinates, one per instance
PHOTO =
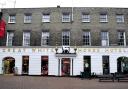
(44, 65)
(65, 67)
(25, 64)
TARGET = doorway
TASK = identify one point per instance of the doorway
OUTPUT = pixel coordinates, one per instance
(105, 63)
(25, 64)
(8, 65)
(44, 65)
(87, 64)
(122, 65)
(65, 67)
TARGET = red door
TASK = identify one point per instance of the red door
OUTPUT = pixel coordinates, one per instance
(44, 65)
(65, 67)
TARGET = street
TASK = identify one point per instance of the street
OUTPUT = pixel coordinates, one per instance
(40, 82)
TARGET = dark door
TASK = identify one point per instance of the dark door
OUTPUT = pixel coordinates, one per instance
(105, 64)
(119, 66)
(87, 64)
(44, 65)
(25, 64)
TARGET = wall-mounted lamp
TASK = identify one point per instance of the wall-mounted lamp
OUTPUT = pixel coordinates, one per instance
(75, 49)
(56, 49)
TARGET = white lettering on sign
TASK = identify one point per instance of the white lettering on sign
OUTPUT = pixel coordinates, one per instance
(47, 50)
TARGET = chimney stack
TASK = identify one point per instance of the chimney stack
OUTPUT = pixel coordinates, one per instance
(58, 6)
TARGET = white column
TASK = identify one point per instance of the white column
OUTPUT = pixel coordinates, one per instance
(35, 65)
(96, 64)
(113, 64)
(71, 66)
(1, 65)
(60, 66)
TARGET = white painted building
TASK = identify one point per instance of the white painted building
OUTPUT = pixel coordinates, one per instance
(76, 60)
(64, 41)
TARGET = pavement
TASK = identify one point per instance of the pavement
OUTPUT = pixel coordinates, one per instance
(40, 82)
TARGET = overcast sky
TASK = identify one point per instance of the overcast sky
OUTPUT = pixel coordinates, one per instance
(63, 3)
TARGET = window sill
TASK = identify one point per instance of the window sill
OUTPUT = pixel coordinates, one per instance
(120, 22)
(11, 22)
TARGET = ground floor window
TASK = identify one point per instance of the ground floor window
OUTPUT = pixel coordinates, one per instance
(122, 65)
(44, 65)
(25, 64)
(8, 65)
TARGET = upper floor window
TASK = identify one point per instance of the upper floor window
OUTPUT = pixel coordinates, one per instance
(119, 18)
(45, 38)
(85, 17)
(12, 19)
(66, 17)
(104, 38)
(26, 38)
(46, 17)
(86, 38)
(27, 18)
(66, 38)
(121, 38)
(9, 40)
(103, 18)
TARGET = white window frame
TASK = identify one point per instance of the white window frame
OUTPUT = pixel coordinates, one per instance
(124, 38)
(103, 18)
(66, 16)
(10, 19)
(85, 18)
(9, 40)
(120, 18)
(104, 38)
(67, 33)
(27, 18)
(46, 17)
(27, 34)
(45, 36)
(85, 33)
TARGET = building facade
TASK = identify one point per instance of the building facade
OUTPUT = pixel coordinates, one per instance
(64, 41)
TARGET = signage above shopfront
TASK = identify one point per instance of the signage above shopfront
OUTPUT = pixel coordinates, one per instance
(79, 50)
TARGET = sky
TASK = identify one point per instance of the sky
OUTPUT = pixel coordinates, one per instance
(62, 3)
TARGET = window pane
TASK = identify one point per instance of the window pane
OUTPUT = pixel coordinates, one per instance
(46, 18)
(26, 39)
(121, 38)
(27, 18)
(66, 17)
(12, 19)
(86, 38)
(104, 39)
(85, 18)
(45, 38)
(120, 18)
(103, 18)
(10, 36)
(66, 38)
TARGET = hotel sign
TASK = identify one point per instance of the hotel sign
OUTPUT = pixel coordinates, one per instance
(47, 50)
